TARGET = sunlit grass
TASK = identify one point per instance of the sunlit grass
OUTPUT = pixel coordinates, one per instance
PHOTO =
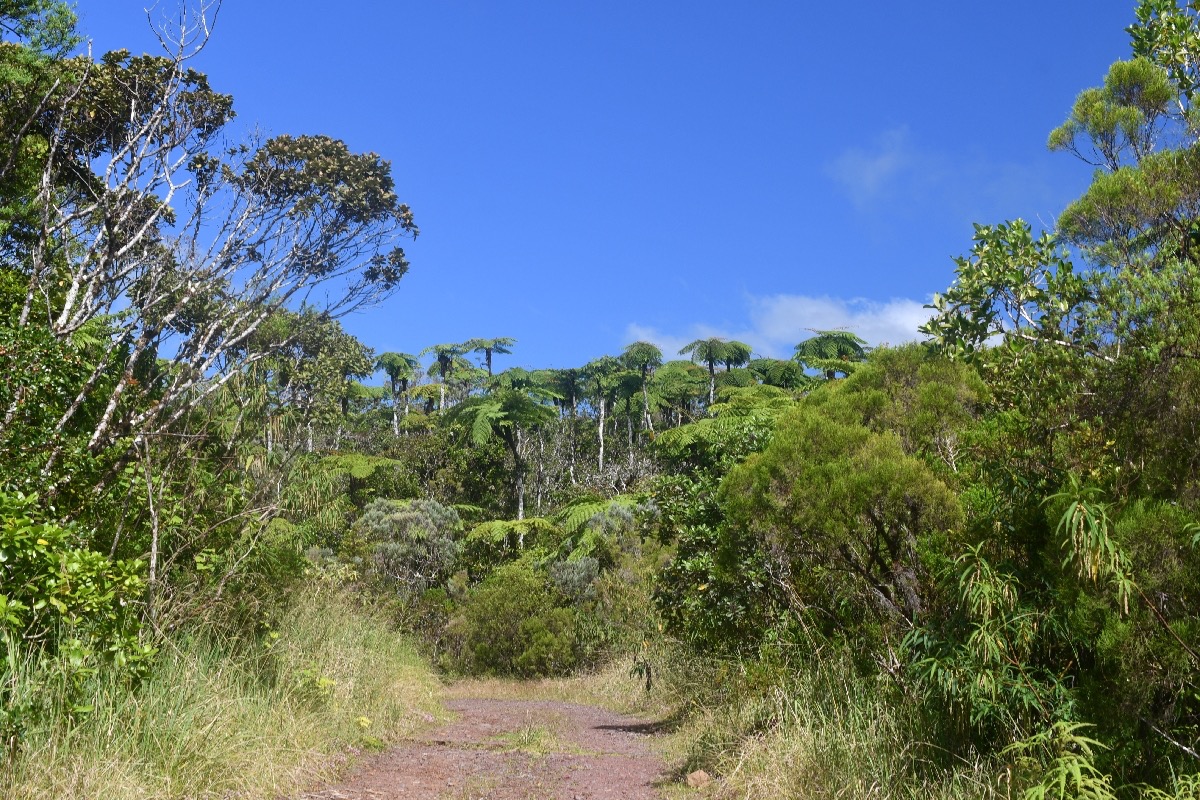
(822, 731)
(215, 721)
(533, 739)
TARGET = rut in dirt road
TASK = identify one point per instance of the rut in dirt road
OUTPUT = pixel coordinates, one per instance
(514, 750)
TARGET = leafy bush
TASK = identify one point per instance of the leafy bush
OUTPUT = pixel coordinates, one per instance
(511, 624)
(53, 586)
(64, 611)
(846, 515)
(576, 578)
(410, 547)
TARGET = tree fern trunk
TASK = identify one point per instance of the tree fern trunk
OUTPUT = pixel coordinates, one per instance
(519, 466)
(539, 480)
(601, 429)
(649, 423)
(629, 427)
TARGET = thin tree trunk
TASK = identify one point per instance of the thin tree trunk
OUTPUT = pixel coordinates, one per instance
(601, 429)
(152, 578)
(629, 427)
(520, 495)
(541, 471)
(519, 465)
(571, 442)
(646, 408)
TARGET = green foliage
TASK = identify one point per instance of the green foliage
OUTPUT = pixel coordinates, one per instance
(576, 578)
(489, 347)
(1084, 530)
(42, 373)
(431, 461)
(1074, 482)
(845, 513)
(511, 624)
(783, 373)
(1119, 118)
(680, 384)
(1167, 34)
(367, 477)
(48, 26)
(65, 612)
(643, 357)
(983, 677)
(714, 351)
(717, 592)
(591, 529)
(1013, 285)
(497, 541)
(1060, 761)
(831, 352)
(52, 585)
(739, 425)
(410, 547)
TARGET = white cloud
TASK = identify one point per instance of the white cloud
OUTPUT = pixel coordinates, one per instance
(865, 174)
(897, 169)
(776, 323)
(668, 343)
(791, 318)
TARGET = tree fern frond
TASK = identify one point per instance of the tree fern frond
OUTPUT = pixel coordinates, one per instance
(575, 517)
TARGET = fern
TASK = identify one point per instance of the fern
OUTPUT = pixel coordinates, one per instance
(575, 517)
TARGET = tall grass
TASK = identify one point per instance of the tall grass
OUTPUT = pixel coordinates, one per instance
(817, 729)
(217, 719)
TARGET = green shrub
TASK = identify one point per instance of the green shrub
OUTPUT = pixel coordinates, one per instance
(511, 624)
(576, 579)
(64, 611)
(409, 547)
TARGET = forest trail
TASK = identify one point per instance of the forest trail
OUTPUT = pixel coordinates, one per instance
(513, 749)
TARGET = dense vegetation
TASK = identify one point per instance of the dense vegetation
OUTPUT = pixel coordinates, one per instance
(969, 566)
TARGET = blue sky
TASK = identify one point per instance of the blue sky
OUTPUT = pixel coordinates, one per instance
(585, 175)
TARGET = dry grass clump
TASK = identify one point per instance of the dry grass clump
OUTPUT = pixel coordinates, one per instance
(213, 720)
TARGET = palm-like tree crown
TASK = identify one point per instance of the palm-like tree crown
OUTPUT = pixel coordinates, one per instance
(397, 366)
(713, 351)
(643, 357)
(488, 347)
(831, 351)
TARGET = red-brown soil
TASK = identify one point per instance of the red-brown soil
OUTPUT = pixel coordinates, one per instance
(513, 750)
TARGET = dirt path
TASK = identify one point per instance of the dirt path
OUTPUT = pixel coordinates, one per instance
(513, 750)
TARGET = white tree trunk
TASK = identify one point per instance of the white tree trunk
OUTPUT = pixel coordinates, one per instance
(601, 429)
(520, 468)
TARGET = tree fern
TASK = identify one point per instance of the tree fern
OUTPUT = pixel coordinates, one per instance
(832, 352)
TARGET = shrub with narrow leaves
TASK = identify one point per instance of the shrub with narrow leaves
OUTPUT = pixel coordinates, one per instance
(412, 546)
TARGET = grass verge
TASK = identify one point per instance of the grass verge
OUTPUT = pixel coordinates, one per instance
(215, 720)
(817, 730)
